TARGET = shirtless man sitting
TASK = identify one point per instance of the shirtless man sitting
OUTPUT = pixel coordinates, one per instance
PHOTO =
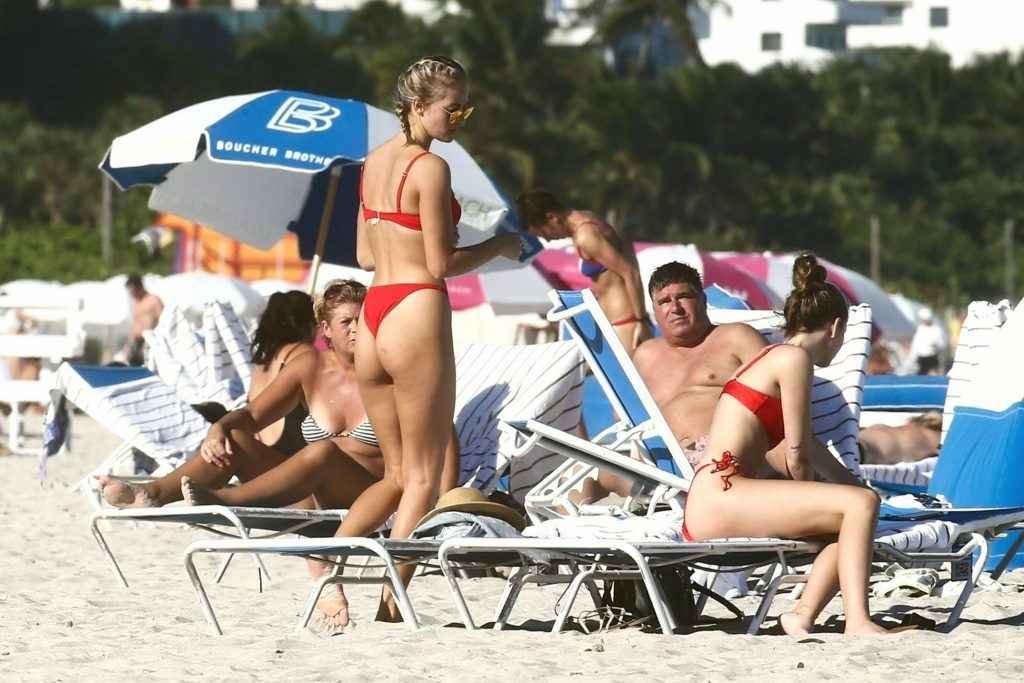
(686, 368)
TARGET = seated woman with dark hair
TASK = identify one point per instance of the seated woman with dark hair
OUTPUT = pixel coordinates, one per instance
(284, 333)
(768, 401)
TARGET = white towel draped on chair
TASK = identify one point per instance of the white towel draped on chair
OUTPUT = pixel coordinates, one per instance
(208, 363)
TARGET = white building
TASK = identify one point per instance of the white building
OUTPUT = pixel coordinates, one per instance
(757, 33)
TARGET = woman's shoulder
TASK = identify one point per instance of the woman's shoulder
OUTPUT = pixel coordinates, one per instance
(290, 352)
(790, 357)
(302, 358)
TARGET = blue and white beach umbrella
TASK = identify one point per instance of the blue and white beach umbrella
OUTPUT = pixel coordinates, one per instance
(254, 166)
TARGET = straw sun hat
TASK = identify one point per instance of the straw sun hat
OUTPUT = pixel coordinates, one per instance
(472, 501)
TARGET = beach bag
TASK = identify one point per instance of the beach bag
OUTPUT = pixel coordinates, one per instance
(631, 597)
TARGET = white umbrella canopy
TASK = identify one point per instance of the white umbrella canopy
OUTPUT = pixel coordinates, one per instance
(332, 271)
(191, 291)
(268, 286)
(43, 292)
(103, 303)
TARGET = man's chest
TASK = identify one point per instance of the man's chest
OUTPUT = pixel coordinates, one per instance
(679, 372)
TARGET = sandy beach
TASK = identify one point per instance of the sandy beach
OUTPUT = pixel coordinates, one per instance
(63, 617)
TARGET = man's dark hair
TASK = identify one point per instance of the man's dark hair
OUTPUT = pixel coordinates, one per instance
(134, 280)
(673, 273)
(534, 207)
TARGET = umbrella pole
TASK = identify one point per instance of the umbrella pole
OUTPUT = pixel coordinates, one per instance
(325, 223)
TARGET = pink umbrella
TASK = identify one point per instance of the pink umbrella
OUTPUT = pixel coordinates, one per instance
(776, 269)
(560, 266)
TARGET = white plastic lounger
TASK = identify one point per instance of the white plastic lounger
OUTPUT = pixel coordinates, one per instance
(389, 553)
(235, 522)
(493, 382)
(630, 398)
(927, 536)
(51, 348)
(595, 560)
(137, 406)
(980, 330)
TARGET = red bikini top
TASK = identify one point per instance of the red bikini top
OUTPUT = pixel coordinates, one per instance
(406, 220)
(767, 409)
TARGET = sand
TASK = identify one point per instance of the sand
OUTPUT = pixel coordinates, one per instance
(63, 617)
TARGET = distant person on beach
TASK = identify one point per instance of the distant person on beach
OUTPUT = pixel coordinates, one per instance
(928, 343)
(605, 257)
(766, 402)
(916, 440)
(686, 367)
(146, 310)
(879, 362)
(405, 359)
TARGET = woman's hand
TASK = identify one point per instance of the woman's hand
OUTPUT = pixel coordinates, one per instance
(216, 448)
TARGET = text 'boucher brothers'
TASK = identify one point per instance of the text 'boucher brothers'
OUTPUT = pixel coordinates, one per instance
(268, 151)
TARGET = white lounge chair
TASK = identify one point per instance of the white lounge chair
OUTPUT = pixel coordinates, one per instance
(835, 402)
(980, 330)
(51, 348)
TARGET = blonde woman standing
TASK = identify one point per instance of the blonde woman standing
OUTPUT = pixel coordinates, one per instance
(405, 363)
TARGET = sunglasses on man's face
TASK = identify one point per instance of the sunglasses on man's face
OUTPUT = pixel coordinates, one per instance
(457, 115)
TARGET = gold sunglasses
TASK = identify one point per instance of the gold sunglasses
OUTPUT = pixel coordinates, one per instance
(457, 115)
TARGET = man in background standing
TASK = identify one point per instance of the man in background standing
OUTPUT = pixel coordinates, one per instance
(928, 343)
(146, 310)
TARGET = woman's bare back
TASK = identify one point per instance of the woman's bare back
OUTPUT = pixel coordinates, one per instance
(398, 251)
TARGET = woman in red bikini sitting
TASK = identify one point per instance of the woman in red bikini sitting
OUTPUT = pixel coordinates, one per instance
(768, 401)
(604, 258)
(405, 363)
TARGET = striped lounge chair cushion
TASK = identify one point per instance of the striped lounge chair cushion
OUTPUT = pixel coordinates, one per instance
(541, 382)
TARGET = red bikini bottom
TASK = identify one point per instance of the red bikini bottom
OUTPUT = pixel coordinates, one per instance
(627, 321)
(726, 463)
(381, 299)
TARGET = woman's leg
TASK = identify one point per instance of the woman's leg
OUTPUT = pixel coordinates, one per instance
(251, 459)
(415, 347)
(320, 469)
(821, 587)
(372, 508)
(797, 509)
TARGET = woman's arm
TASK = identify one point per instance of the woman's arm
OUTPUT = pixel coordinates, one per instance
(364, 255)
(805, 455)
(829, 468)
(444, 259)
(278, 399)
(795, 372)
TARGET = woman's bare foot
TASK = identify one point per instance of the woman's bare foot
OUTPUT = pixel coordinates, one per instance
(388, 611)
(194, 494)
(332, 611)
(867, 628)
(123, 495)
(795, 623)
